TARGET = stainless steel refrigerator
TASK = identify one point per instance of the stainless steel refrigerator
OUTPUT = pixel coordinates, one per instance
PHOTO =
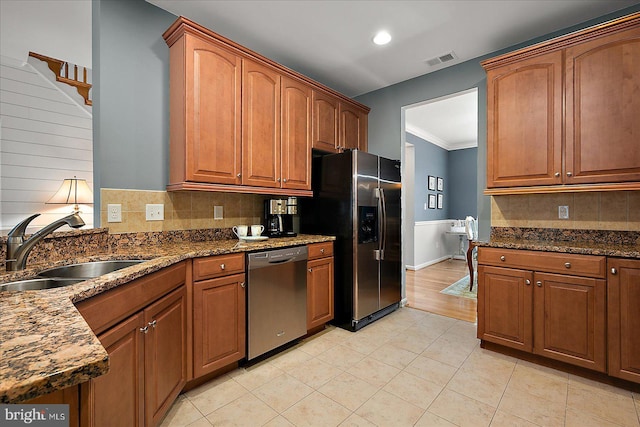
(357, 199)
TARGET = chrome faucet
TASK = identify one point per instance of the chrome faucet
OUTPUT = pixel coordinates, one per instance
(18, 248)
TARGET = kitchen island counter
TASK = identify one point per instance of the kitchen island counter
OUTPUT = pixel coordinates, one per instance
(45, 344)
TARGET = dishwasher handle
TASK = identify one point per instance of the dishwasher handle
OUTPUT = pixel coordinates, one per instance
(276, 257)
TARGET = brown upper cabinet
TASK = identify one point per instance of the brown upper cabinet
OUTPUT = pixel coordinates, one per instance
(240, 122)
(562, 115)
(338, 126)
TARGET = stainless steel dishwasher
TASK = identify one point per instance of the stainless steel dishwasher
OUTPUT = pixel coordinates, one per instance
(276, 298)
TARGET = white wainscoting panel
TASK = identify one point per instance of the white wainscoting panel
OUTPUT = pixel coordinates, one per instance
(432, 244)
(45, 137)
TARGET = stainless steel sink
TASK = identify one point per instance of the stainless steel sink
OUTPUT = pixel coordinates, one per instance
(38, 284)
(88, 270)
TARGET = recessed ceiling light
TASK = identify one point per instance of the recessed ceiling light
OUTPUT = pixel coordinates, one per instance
(382, 37)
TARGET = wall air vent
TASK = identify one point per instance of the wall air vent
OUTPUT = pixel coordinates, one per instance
(432, 62)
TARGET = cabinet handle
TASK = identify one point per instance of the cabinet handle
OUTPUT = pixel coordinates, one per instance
(614, 271)
(239, 175)
(222, 266)
(278, 179)
(569, 174)
(557, 174)
(527, 282)
(242, 284)
(145, 329)
(567, 264)
(284, 179)
(322, 250)
(153, 324)
(310, 270)
(539, 284)
(502, 258)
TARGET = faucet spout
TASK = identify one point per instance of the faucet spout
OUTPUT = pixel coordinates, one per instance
(18, 248)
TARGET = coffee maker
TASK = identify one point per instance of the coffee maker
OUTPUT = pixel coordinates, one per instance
(280, 217)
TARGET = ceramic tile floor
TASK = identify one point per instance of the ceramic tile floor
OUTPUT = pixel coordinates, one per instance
(409, 368)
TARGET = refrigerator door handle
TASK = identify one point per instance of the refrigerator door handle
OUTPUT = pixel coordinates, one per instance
(383, 231)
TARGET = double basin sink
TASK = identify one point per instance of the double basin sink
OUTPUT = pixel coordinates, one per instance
(68, 275)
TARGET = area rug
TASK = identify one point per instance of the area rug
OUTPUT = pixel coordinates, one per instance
(461, 288)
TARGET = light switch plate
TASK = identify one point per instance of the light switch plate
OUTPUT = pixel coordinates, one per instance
(114, 213)
(218, 212)
(155, 212)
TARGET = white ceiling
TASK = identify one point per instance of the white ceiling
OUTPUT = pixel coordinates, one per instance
(331, 42)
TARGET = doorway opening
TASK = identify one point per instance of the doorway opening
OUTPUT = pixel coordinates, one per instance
(440, 169)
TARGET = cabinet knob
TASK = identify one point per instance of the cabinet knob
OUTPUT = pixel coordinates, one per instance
(222, 266)
(527, 282)
(310, 270)
(502, 258)
(569, 174)
(239, 175)
(242, 284)
(278, 179)
(614, 271)
(567, 264)
(539, 284)
(322, 250)
(153, 324)
(145, 329)
(557, 174)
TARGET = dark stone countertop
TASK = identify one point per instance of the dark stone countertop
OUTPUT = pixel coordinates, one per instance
(46, 345)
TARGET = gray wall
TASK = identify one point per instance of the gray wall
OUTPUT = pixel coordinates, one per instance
(386, 116)
(461, 190)
(429, 160)
(131, 96)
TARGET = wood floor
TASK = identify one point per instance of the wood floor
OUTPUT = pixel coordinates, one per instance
(424, 286)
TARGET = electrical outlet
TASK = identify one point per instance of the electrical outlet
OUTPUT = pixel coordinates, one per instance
(114, 213)
(218, 212)
(155, 212)
(563, 212)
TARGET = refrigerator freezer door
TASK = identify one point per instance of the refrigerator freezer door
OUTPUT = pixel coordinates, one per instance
(390, 264)
(366, 290)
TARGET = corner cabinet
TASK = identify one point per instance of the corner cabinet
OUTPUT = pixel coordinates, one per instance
(549, 304)
(240, 122)
(555, 109)
(320, 277)
(624, 318)
(143, 327)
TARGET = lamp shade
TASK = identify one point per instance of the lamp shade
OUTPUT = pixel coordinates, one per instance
(73, 191)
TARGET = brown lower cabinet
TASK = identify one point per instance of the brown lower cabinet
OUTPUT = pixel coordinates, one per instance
(319, 284)
(559, 316)
(623, 300)
(68, 396)
(219, 312)
(147, 351)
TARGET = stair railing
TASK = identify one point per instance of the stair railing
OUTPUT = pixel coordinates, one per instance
(61, 70)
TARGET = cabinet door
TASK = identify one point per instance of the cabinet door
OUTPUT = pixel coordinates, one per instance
(212, 117)
(219, 323)
(117, 397)
(570, 319)
(603, 107)
(165, 353)
(319, 292)
(624, 318)
(524, 122)
(68, 396)
(505, 307)
(260, 125)
(325, 122)
(296, 135)
(353, 127)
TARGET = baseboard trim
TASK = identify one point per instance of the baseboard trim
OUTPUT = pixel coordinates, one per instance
(427, 264)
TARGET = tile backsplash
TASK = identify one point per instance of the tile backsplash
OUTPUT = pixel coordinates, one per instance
(615, 210)
(185, 210)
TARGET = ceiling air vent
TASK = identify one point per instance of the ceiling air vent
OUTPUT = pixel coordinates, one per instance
(440, 59)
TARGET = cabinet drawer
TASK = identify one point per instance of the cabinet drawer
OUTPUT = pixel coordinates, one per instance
(107, 309)
(320, 250)
(217, 266)
(576, 265)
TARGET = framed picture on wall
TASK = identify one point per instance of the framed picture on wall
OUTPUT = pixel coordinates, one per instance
(432, 201)
(440, 200)
(431, 184)
(440, 184)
